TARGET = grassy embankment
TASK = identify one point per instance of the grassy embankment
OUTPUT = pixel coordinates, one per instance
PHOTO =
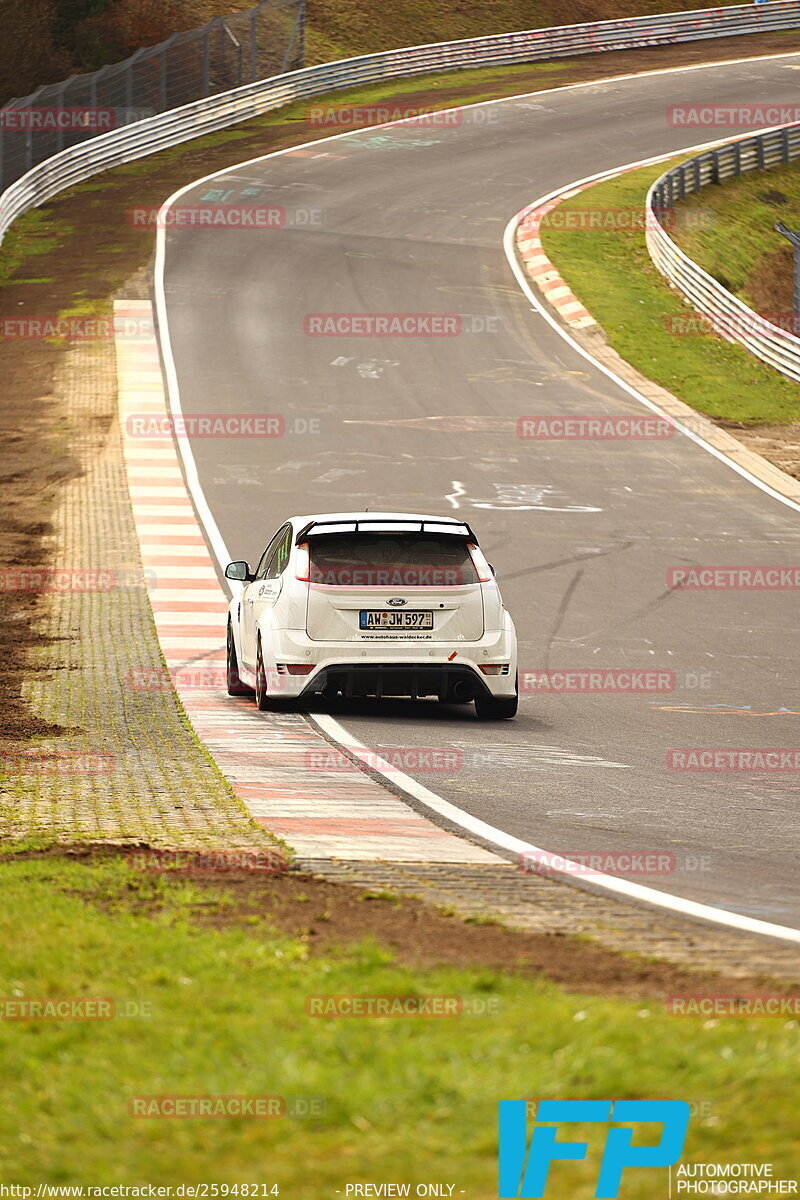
(407, 1099)
(610, 270)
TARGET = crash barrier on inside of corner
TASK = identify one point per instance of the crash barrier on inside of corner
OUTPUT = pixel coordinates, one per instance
(151, 134)
(726, 315)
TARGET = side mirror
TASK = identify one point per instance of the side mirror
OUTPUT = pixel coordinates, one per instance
(491, 568)
(240, 571)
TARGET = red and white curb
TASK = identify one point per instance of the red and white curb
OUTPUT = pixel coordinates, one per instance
(540, 269)
(290, 779)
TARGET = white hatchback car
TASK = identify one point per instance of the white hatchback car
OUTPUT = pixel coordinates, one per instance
(372, 604)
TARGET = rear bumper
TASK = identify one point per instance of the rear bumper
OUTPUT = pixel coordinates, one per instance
(385, 667)
(445, 680)
(389, 668)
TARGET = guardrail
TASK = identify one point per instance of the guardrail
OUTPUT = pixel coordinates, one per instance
(227, 52)
(168, 129)
(727, 315)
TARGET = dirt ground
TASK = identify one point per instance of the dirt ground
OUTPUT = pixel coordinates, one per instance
(33, 463)
(331, 916)
(93, 250)
(771, 283)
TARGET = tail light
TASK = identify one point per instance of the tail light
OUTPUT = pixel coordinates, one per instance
(303, 563)
(494, 668)
(480, 564)
(294, 668)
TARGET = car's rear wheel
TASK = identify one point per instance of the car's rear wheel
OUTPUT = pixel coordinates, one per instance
(235, 685)
(496, 708)
(262, 698)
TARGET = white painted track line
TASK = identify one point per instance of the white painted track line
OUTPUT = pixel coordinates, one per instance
(470, 825)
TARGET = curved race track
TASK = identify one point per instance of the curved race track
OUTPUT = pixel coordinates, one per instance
(409, 219)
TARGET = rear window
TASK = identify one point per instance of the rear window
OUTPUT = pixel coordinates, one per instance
(391, 560)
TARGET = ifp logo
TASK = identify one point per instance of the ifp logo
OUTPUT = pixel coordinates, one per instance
(524, 1170)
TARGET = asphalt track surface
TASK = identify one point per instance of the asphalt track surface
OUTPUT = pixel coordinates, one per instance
(410, 219)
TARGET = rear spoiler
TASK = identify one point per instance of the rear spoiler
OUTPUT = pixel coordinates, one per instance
(454, 528)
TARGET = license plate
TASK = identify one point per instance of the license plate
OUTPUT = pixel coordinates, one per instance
(370, 618)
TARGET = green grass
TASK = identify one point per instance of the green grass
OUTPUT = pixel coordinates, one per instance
(25, 845)
(406, 1099)
(335, 29)
(31, 233)
(482, 84)
(413, 1100)
(737, 232)
(105, 197)
(611, 272)
(340, 28)
(40, 234)
(380, 894)
(483, 919)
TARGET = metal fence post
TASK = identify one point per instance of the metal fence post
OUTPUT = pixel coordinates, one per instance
(61, 99)
(129, 86)
(162, 85)
(239, 50)
(130, 80)
(715, 167)
(298, 36)
(301, 53)
(160, 77)
(92, 97)
(794, 238)
(254, 44)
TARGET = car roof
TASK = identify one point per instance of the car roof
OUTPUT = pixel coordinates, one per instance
(369, 515)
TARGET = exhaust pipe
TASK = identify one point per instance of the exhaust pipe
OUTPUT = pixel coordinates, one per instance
(464, 689)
